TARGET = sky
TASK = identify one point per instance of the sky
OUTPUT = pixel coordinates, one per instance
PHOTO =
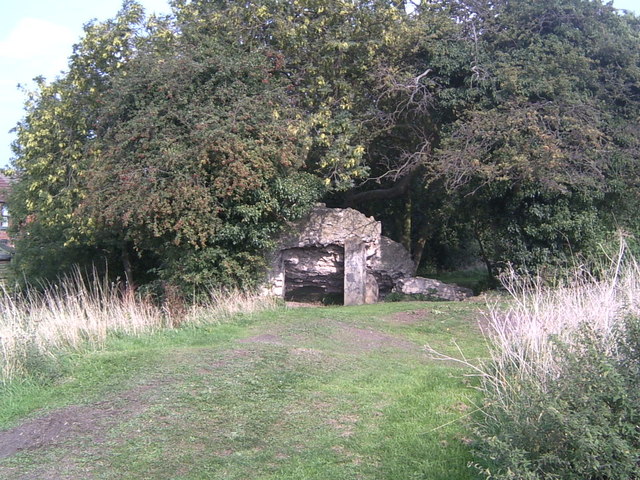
(36, 38)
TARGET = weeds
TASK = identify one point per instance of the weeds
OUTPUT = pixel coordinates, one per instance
(76, 313)
(561, 396)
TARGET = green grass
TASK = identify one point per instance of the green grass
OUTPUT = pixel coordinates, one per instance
(311, 393)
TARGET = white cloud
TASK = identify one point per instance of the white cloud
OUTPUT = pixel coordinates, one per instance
(33, 38)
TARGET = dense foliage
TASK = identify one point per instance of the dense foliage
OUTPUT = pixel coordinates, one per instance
(176, 148)
(548, 154)
(580, 422)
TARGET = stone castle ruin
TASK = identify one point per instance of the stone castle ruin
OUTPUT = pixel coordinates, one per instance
(341, 254)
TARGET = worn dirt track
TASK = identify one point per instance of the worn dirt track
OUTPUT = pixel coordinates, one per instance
(69, 433)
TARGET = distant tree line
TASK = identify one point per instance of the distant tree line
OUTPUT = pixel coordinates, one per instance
(175, 148)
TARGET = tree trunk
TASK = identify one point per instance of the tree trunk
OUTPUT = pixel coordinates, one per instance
(407, 213)
(419, 244)
(126, 266)
(483, 252)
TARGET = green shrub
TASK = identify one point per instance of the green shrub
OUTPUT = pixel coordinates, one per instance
(581, 422)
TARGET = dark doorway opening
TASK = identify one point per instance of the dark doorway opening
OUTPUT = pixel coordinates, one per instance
(314, 274)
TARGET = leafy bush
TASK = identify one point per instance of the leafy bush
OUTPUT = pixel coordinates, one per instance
(562, 397)
(583, 425)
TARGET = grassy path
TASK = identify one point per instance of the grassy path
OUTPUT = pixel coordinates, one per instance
(312, 393)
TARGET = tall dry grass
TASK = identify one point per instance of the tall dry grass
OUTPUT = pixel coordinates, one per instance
(560, 390)
(522, 338)
(78, 314)
(224, 304)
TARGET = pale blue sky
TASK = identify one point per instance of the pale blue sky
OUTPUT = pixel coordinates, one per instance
(36, 37)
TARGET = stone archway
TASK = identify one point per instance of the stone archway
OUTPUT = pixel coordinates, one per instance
(332, 252)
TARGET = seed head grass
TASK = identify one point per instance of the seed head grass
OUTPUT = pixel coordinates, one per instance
(77, 313)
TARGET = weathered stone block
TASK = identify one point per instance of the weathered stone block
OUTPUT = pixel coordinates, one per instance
(332, 226)
(371, 290)
(433, 288)
(355, 271)
(391, 263)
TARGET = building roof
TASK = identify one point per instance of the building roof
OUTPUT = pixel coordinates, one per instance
(5, 185)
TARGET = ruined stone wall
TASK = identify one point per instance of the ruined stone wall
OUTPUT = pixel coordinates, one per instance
(341, 253)
(310, 259)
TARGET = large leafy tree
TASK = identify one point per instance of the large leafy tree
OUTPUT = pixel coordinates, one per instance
(543, 163)
(159, 148)
(199, 154)
(417, 95)
(51, 153)
(333, 52)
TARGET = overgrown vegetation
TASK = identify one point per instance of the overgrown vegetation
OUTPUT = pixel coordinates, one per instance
(76, 315)
(559, 396)
(175, 149)
(561, 392)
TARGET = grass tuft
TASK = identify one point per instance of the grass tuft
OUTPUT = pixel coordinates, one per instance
(560, 388)
(75, 314)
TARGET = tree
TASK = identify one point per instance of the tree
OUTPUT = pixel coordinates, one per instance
(419, 93)
(199, 154)
(537, 160)
(332, 52)
(50, 154)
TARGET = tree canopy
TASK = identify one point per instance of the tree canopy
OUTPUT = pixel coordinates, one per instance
(177, 147)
